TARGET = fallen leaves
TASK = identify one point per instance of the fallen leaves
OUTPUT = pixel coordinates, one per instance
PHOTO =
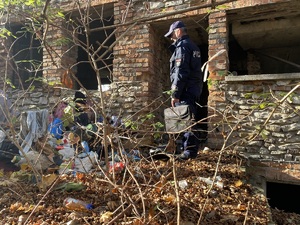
(47, 180)
(169, 198)
(106, 217)
(238, 183)
(150, 196)
(25, 208)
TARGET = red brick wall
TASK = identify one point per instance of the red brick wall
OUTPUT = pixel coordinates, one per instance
(138, 58)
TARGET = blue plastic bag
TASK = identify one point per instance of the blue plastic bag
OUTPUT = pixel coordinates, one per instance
(56, 128)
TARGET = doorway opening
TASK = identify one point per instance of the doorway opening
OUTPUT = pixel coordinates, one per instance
(283, 196)
(197, 31)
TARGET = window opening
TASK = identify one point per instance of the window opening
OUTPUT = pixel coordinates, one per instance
(269, 46)
(27, 57)
(85, 72)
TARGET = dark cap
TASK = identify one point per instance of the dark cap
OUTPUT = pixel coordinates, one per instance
(175, 25)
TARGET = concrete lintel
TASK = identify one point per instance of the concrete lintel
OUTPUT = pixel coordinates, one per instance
(282, 76)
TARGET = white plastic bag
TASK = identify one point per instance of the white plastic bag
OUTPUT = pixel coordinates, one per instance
(84, 165)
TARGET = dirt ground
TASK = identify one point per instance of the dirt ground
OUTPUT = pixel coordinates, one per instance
(145, 192)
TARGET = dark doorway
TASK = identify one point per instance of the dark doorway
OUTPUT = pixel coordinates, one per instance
(284, 196)
(85, 71)
(197, 32)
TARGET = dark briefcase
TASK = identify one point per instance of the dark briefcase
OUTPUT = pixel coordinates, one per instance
(177, 119)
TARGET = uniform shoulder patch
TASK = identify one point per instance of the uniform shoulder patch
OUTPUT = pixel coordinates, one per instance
(178, 62)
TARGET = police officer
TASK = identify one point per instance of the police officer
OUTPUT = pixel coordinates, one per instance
(187, 81)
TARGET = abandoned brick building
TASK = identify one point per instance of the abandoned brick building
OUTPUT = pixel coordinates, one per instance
(247, 82)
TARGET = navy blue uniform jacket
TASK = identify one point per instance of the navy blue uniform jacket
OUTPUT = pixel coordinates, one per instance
(185, 69)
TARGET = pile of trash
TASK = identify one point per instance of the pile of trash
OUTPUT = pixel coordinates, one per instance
(67, 140)
(70, 152)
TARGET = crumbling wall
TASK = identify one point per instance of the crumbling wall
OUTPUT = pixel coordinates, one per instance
(267, 128)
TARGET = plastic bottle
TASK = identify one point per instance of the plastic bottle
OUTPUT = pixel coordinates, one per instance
(76, 204)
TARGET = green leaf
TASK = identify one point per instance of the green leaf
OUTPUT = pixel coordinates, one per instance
(130, 124)
(263, 105)
(209, 82)
(71, 186)
(264, 133)
(61, 15)
(257, 127)
(8, 81)
(221, 73)
(157, 136)
(32, 87)
(53, 83)
(254, 106)
(248, 95)
(169, 92)
(221, 7)
(4, 33)
(158, 125)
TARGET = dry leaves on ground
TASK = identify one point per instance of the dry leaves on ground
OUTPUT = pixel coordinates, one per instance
(146, 192)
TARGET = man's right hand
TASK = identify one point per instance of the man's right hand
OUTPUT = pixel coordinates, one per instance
(173, 101)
